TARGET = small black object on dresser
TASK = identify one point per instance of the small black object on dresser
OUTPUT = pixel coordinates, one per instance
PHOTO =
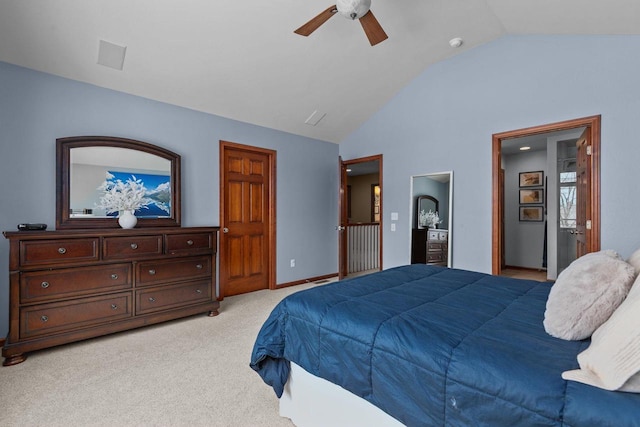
(32, 227)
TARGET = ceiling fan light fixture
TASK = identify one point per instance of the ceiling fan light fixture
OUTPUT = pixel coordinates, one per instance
(353, 9)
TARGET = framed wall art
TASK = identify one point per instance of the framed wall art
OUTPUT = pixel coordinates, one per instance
(531, 213)
(375, 202)
(533, 196)
(531, 179)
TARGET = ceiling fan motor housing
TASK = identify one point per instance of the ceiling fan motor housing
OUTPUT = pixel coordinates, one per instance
(353, 9)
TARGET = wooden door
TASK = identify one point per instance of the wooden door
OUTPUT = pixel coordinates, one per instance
(247, 218)
(583, 195)
(344, 219)
(503, 262)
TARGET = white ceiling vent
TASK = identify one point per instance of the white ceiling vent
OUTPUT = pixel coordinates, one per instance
(315, 118)
(111, 55)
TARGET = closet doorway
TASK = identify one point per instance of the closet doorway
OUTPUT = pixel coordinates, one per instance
(576, 141)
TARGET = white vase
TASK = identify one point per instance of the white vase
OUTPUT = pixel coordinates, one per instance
(127, 219)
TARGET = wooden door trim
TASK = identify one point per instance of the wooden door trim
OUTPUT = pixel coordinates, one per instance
(593, 124)
(271, 211)
(343, 203)
(343, 196)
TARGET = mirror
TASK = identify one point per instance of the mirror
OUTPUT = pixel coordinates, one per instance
(426, 204)
(434, 191)
(85, 163)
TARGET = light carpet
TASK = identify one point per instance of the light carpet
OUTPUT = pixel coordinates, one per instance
(189, 372)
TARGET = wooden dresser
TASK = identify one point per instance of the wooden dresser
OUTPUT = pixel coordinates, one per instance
(67, 286)
(430, 246)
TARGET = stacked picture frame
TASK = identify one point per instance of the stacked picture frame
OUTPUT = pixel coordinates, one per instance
(531, 189)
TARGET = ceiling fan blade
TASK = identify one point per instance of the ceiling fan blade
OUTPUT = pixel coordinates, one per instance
(373, 29)
(315, 23)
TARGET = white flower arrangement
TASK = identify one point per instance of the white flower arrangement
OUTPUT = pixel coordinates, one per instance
(429, 219)
(123, 196)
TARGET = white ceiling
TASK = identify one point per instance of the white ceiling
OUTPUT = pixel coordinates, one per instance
(240, 58)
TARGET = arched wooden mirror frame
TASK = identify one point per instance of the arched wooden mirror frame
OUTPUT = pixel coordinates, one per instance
(64, 219)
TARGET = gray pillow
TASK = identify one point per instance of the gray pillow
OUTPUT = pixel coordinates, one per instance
(586, 293)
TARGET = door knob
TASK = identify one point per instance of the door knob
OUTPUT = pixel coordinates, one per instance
(225, 230)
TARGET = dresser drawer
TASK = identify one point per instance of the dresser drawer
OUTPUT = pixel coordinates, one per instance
(189, 243)
(168, 297)
(435, 246)
(37, 252)
(131, 247)
(433, 235)
(162, 271)
(63, 316)
(72, 282)
(435, 257)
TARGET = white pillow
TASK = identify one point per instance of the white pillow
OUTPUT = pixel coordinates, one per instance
(634, 260)
(586, 293)
(612, 361)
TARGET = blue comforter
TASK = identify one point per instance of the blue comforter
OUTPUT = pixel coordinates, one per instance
(433, 346)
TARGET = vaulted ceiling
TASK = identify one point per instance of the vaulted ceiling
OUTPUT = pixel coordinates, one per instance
(240, 59)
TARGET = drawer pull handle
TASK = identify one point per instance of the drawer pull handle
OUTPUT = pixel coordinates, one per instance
(189, 242)
(152, 299)
(199, 266)
(44, 318)
(134, 246)
(114, 306)
(45, 285)
(114, 276)
(198, 291)
(152, 272)
(62, 251)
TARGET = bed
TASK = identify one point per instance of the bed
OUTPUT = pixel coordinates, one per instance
(434, 346)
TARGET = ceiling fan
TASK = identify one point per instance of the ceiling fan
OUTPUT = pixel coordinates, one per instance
(352, 9)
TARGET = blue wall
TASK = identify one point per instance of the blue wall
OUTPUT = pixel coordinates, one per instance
(445, 118)
(37, 108)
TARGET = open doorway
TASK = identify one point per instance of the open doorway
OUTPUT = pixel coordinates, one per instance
(361, 216)
(431, 222)
(546, 223)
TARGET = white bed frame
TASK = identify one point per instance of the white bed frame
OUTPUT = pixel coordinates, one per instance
(310, 401)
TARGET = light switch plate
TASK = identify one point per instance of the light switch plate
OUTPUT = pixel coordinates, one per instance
(394, 216)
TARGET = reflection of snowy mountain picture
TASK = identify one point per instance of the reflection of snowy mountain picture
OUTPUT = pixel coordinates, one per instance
(158, 191)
